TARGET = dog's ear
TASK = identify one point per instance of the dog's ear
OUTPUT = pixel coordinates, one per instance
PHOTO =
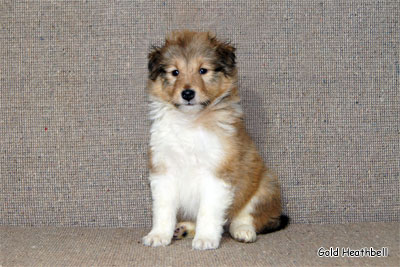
(226, 58)
(154, 65)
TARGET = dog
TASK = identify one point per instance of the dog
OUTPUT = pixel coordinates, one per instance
(204, 167)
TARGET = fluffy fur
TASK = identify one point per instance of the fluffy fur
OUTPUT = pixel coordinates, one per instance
(204, 167)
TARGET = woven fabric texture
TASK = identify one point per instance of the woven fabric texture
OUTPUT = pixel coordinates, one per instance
(296, 246)
(319, 82)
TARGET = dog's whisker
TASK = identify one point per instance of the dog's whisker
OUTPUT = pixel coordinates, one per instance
(205, 103)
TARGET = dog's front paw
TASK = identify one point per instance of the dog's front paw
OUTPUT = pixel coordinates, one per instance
(156, 240)
(205, 243)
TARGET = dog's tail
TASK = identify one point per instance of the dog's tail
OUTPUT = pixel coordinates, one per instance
(279, 223)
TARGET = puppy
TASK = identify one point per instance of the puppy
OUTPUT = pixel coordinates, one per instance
(204, 167)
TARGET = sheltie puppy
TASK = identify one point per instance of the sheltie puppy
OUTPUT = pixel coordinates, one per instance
(204, 168)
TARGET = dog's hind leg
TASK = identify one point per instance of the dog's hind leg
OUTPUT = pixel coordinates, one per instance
(262, 214)
(184, 230)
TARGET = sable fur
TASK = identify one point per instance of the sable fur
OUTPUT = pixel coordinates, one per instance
(255, 206)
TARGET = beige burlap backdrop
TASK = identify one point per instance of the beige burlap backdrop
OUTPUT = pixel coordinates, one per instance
(319, 83)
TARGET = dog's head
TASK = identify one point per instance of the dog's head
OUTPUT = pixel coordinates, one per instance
(192, 70)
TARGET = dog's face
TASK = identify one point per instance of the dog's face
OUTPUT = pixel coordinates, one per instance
(191, 70)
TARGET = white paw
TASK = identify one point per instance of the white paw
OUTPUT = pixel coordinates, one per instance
(205, 243)
(244, 233)
(156, 240)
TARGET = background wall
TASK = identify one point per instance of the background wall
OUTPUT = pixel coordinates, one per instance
(319, 82)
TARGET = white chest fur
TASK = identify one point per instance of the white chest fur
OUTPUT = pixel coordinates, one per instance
(189, 154)
(182, 145)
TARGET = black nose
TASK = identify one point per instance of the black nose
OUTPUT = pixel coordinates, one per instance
(188, 94)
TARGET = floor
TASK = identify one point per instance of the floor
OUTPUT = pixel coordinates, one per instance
(297, 245)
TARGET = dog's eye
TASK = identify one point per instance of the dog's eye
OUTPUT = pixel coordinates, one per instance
(175, 73)
(203, 71)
